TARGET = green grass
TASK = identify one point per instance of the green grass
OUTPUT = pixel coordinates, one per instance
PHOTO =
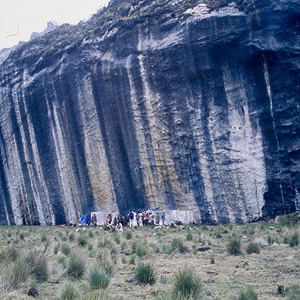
(178, 244)
(82, 241)
(12, 254)
(69, 292)
(253, 247)
(71, 237)
(65, 249)
(141, 250)
(248, 294)
(44, 238)
(294, 239)
(145, 274)
(38, 266)
(189, 236)
(117, 239)
(56, 248)
(186, 285)
(293, 292)
(98, 278)
(107, 265)
(128, 235)
(224, 276)
(234, 246)
(14, 274)
(76, 265)
(132, 260)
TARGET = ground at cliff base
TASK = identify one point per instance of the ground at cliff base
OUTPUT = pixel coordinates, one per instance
(224, 261)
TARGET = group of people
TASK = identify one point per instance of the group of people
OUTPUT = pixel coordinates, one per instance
(141, 218)
(151, 219)
(147, 219)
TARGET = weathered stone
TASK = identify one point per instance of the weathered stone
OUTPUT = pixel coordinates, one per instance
(177, 104)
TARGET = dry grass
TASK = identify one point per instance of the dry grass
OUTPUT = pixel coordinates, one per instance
(276, 264)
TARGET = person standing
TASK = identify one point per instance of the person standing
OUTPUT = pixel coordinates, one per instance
(157, 218)
(131, 217)
(75, 220)
(163, 218)
(119, 219)
(137, 217)
(94, 220)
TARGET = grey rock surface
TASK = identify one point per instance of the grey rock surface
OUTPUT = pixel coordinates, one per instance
(186, 105)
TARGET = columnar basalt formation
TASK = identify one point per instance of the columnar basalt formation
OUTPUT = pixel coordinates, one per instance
(190, 105)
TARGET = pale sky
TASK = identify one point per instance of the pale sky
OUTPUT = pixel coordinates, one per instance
(19, 18)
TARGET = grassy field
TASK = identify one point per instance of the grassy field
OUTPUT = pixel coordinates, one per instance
(240, 262)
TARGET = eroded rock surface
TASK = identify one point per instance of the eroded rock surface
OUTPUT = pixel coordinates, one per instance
(190, 105)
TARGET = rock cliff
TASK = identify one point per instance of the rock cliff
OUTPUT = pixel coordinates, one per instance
(190, 105)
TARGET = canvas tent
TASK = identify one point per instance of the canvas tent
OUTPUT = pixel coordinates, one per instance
(85, 219)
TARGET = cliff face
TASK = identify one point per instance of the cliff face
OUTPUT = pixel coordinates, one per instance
(171, 104)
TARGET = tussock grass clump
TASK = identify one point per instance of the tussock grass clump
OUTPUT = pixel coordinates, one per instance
(141, 250)
(113, 251)
(124, 245)
(106, 243)
(38, 266)
(186, 285)
(253, 247)
(132, 260)
(128, 235)
(167, 249)
(134, 246)
(293, 292)
(98, 278)
(76, 265)
(189, 236)
(14, 274)
(178, 244)
(56, 248)
(294, 239)
(234, 246)
(124, 260)
(65, 249)
(71, 237)
(107, 265)
(145, 274)
(251, 231)
(270, 239)
(61, 259)
(117, 239)
(248, 294)
(12, 254)
(82, 241)
(44, 238)
(69, 292)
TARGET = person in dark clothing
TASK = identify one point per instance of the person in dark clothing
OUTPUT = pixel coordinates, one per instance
(131, 217)
(94, 220)
(120, 219)
(163, 218)
(137, 217)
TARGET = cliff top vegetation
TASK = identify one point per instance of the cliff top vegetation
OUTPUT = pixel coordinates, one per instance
(121, 14)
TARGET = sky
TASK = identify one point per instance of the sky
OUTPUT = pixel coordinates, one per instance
(19, 18)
